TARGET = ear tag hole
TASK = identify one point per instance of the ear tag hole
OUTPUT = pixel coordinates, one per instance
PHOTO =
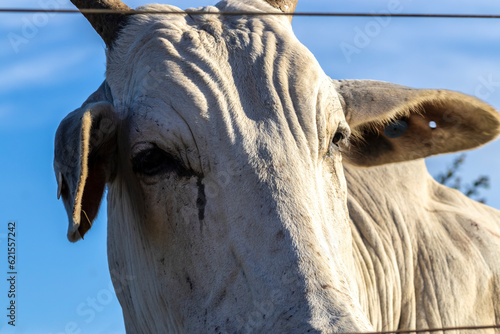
(396, 129)
(432, 125)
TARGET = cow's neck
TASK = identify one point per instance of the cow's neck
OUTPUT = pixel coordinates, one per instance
(384, 239)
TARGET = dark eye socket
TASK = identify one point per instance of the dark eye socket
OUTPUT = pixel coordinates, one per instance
(338, 138)
(155, 161)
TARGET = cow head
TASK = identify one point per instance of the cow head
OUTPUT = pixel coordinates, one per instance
(222, 143)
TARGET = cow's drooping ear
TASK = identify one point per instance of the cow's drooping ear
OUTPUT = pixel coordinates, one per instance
(83, 160)
(393, 123)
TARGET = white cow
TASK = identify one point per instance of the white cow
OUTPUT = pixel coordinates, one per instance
(236, 203)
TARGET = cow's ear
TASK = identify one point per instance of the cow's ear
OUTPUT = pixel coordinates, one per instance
(393, 123)
(83, 162)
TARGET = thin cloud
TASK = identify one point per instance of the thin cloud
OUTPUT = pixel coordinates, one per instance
(48, 68)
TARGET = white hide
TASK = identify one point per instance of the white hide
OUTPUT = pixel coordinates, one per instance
(426, 255)
(250, 226)
(273, 250)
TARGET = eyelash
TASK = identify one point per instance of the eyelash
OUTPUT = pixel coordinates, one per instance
(154, 161)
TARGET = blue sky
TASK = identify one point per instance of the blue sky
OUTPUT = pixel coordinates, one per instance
(64, 287)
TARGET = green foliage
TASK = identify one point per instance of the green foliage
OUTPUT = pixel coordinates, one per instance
(452, 179)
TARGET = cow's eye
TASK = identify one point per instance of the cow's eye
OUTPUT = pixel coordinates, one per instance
(338, 138)
(154, 161)
(341, 139)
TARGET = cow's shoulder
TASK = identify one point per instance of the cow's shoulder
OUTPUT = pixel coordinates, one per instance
(428, 247)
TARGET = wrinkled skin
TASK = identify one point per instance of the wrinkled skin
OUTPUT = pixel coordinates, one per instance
(253, 218)
(426, 255)
(224, 146)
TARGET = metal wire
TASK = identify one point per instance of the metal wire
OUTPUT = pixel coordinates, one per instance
(428, 330)
(187, 12)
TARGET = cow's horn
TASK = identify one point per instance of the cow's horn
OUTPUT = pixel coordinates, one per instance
(286, 6)
(106, 25)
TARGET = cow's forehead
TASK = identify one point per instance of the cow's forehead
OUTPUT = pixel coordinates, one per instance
(231, 71)
(213, 49)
